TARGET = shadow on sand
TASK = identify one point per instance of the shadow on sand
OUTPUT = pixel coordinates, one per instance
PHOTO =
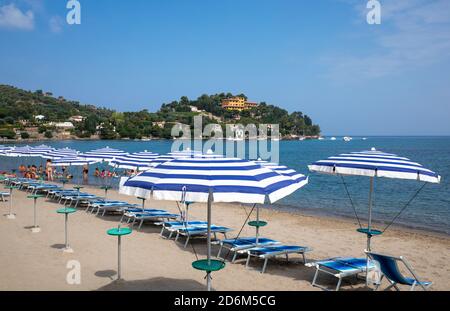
(155, 284)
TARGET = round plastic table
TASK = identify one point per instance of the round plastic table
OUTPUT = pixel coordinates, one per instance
(66, 212)
(119, 232)
(11, 215)
(35, 197)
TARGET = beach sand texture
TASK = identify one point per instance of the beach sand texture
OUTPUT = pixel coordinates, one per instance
(36, 262)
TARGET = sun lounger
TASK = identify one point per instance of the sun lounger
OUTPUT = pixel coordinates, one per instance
(200, 231)
(236, 245)
(93, 205)
(3, 196)
(173, 226)
(340, 267)
(389, 269)
(153, 217)
(130, 212)
(269, 252)
(113, 207)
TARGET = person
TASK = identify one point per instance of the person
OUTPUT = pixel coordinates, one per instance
(41, 170)
(33, 172)
(22, 169)
(103, 174)
(97, 172)
(85, 172)
(49, 170)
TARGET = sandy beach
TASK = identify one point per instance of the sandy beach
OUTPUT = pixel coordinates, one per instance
(35, 261)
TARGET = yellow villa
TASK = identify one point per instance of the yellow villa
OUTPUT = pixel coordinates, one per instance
(237, 103)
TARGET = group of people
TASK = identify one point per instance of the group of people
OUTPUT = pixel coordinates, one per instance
(49, 172)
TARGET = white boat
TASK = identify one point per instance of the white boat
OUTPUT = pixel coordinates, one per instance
(347, 138)
(364, 138)
(333, 138)
(321, 138)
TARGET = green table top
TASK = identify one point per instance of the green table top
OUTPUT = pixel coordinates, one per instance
(66, 211)
(214, 265)
(140, 198)
(257, 223)
(78, 187)
(11, 187)
(370, 232)
(35, 196)
(106, 187)
(119, 231)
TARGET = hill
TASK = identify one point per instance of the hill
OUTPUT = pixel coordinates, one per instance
(39, 114)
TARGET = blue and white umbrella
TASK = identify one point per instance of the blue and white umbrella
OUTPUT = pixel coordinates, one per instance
(206, 179)
(60, 153)
(75, 161)
(373, 164)
(284, 170)
(4, 150)
(104, 154)
(20, 152)
(40, 151)
(137, 161)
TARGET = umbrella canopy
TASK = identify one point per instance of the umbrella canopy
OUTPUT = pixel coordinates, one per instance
(374, 163)
(284, 170)
(228, 179)
(211, 179)
(60, 153)
(20, 151)
(136, 161)
(40, 151)
(72, 161)
(104, 154)
(5, 150)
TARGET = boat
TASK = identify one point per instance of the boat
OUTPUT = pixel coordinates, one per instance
(321, 138)
(347, 138)
(333, 138)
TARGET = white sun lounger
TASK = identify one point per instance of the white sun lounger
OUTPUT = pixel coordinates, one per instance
(200, 231)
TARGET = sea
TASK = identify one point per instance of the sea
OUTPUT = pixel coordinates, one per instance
(327, 195)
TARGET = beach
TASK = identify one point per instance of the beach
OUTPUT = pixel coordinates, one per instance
(35, 261)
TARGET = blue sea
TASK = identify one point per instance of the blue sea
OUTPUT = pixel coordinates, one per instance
(326, 195)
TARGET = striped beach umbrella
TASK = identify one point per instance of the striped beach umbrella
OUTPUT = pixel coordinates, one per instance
(206, 179)
(72, 161)
(103, 154)
(40, 151)
(20, 151)
(284, 170)
(137, 161)
(4, 150)
(60, 153)
(374, 163)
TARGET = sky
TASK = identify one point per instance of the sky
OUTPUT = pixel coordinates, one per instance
(319, 57)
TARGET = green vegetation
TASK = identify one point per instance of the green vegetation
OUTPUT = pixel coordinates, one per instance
(19, 108)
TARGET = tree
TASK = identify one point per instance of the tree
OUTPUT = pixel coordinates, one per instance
(48, 134)
(24, 135)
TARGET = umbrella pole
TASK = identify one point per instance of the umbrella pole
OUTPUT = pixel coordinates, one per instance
(257, 227)
(369, 225)
(208, 276)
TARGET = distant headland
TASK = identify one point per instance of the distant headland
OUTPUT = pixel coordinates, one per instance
(39, 115)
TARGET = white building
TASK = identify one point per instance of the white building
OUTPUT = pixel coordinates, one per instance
(39, 117)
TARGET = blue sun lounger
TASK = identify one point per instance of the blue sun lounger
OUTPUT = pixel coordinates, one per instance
(389, 268)
(269, 252)
(153, 217)
(200, 231)
(173, 226)
(241, 244)
(340, 267)
(130, 212)
(3, 196)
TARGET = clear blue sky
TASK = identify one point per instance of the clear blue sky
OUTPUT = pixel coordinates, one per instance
(319, 57)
